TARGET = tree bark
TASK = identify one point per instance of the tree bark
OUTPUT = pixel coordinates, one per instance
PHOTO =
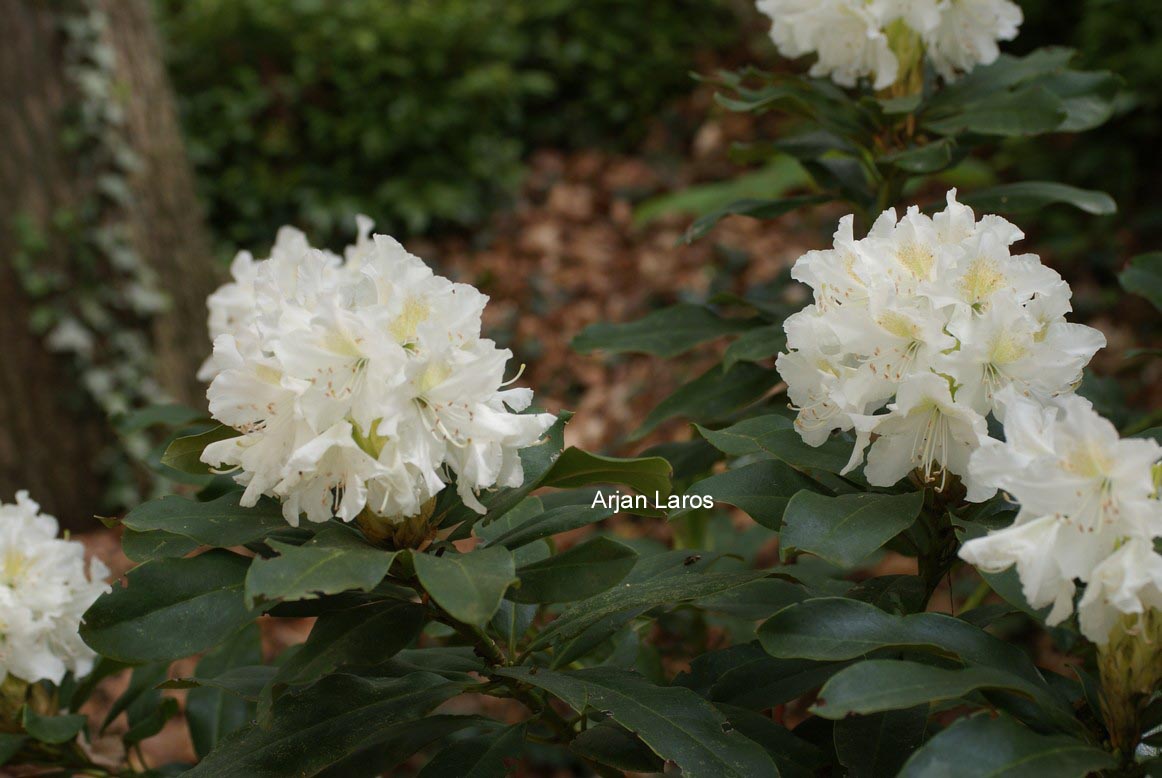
(49, 436)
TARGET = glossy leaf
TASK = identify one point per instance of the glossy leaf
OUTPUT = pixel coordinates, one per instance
(1029, 196)
(757, 345)
(647, 475)
(576, 574)
(712, 396)
(185, 453)
(678, 725)
(1144, 277)
(754, 208)
(486, 756)
(336, 560)
(762, 489)
(776, 436)
(987, 747)
(882, 684)
(670, 590)
(212, 712)
(221, 523)
(548, 523)
(666, 333)
(877, 746)
(52, 729)
(323, 725)
(172, 608)
(613, 745)
(846, 529)
(468, 586)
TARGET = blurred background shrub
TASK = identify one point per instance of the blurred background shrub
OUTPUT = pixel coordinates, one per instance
(416, 112)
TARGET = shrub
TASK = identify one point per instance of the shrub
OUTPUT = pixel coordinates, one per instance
(419, 111)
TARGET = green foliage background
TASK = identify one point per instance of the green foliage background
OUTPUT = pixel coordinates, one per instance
(416, 112)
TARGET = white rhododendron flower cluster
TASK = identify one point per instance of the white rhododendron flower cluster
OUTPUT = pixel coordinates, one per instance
(914, 332)
(858, 39)
(359, 382)
(1089, 511)
(44, 592)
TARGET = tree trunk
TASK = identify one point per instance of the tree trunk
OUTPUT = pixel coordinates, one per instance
(56, 203)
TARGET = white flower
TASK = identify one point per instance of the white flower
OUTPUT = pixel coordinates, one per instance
(360, 383)
(44, 592)
(1127, 583)
(1088, 510)
(864, 39)
(846, 35)
(937, 313)
(968, 32)
(925, 430)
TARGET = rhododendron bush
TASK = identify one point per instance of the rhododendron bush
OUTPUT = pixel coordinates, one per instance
(916, 390)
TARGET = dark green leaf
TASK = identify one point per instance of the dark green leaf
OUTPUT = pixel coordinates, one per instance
(670, 590)
(552, 521)
(10, 745)
(986, 747)
(1089, 98)
(838, 628)
(52, 729)
(221, 523)
(468, 586)
(1028, 111)
(713, 396)
(246, 682)
(745, 676)
(1029, 196)
(676, 723)
(648, 475)
(212, 712)
(336, 560)
(762, 489)
(144, 546)
(323, 725)
(1144, 277)
(172, 608)
(877, 746)
(846, 529)
(795, 758)
(366, 635)
(755, 209)
(611, 744)
(757, 345)
(776, 436)
(487, 756)
(929, 158)
(185, 454)
(882, 684)
(666, 333)
(580, 572)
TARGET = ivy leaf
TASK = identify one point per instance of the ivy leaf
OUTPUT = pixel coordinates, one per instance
(676, 723)
(983, 746)
(846, 529)
(576, 574)
(336, 560)
(468, 586)
(666, 333)
(172, 608)
(185, 453)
